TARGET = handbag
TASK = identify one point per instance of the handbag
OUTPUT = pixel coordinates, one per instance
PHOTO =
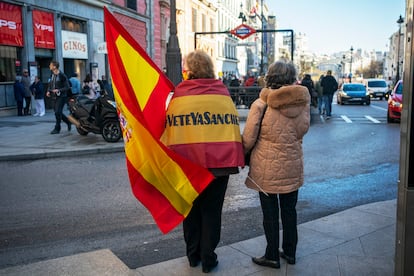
(249, 153)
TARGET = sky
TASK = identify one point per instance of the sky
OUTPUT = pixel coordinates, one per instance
(334, 26)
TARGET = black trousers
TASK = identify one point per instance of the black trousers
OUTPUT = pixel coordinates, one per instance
(19, 108)
(202, 226)
(270, 207)
(27, 101)
(59, 104)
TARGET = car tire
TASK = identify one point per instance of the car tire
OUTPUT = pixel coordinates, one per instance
(389, 119)
(368, 102)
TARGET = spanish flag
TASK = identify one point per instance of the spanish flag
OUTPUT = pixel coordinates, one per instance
(163, 181)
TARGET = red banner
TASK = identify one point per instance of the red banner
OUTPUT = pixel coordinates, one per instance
(43, 29)
(11, 31)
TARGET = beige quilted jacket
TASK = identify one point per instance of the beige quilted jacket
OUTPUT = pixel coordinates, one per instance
(276, 164)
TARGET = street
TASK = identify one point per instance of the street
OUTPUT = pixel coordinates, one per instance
(57, 207)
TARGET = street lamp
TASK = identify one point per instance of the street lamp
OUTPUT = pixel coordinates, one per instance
(350, 66)
(263, 49)
(399, 21)
(173, 56)
(241, 14)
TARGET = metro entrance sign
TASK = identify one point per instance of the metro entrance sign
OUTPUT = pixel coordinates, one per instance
(243, 31)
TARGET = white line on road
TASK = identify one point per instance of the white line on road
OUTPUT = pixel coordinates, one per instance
(372, 119)
(346, 119)
(378, 107)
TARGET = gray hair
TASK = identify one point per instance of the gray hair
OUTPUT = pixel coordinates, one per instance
(280, 73)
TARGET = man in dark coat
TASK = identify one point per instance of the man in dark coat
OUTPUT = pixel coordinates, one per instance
(329, 86)
(58, 88)
(19, 95)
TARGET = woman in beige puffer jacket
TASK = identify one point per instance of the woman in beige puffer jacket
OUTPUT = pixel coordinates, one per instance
(276, 164)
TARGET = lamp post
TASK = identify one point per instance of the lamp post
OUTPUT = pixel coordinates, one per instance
(242, 17)
(343, 67)
(262, 48)
(173, 56)
(399, 21)
(350, 66)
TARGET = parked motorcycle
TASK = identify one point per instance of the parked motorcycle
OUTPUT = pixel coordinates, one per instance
(97, 116)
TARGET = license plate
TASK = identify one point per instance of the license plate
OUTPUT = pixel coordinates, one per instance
(356, 99)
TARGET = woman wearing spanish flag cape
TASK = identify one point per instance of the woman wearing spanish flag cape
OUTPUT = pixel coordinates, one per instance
(202, 125)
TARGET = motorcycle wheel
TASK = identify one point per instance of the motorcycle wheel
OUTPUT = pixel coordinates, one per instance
(111, 131)
(81, 131)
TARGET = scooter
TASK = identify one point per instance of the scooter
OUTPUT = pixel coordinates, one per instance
(97, 116)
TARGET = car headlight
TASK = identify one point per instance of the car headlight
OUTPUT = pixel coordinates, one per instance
(396, 104)
(367, 93)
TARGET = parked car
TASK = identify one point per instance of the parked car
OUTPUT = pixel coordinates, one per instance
(377, 88)
(395, 103)
(353, 92)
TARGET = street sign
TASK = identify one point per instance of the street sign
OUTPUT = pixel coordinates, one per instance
(243, 31)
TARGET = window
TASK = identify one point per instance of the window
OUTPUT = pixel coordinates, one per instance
(8, 56)
(73, 25)
(203, 23)
(211, 27)
(194, 20)
(131, 4)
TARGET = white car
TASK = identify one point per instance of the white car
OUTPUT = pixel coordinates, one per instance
(377, 88)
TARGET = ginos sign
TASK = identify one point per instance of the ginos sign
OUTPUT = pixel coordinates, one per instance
(74, 45)
(11, 31)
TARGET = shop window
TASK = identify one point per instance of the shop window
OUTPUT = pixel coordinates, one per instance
(8, 57)
(73, 25)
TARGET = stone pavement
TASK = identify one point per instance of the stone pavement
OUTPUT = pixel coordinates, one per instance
(357, 241)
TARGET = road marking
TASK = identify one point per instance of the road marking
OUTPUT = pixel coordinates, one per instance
(378, 107)
(346, 119)
(372, 119)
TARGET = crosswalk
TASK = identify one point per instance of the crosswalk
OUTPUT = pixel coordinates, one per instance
(359, 119)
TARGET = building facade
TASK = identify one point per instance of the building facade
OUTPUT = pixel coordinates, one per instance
(32, 33)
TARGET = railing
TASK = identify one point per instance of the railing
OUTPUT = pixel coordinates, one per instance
(244, 96)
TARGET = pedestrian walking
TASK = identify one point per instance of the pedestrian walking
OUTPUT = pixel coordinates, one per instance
(329, 86)
(203, 94)
(319, 90)
(274, 129)
(38, 93)
(58, 88)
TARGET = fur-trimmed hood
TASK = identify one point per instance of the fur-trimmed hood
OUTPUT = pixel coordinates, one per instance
(289, 100)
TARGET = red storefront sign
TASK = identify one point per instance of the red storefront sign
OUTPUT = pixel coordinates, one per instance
(43, 29)
(11, 31)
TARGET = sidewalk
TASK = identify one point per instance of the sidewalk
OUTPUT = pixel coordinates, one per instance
(357, 241)
(28, 137)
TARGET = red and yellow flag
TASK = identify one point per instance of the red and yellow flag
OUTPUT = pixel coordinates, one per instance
(163, 181)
